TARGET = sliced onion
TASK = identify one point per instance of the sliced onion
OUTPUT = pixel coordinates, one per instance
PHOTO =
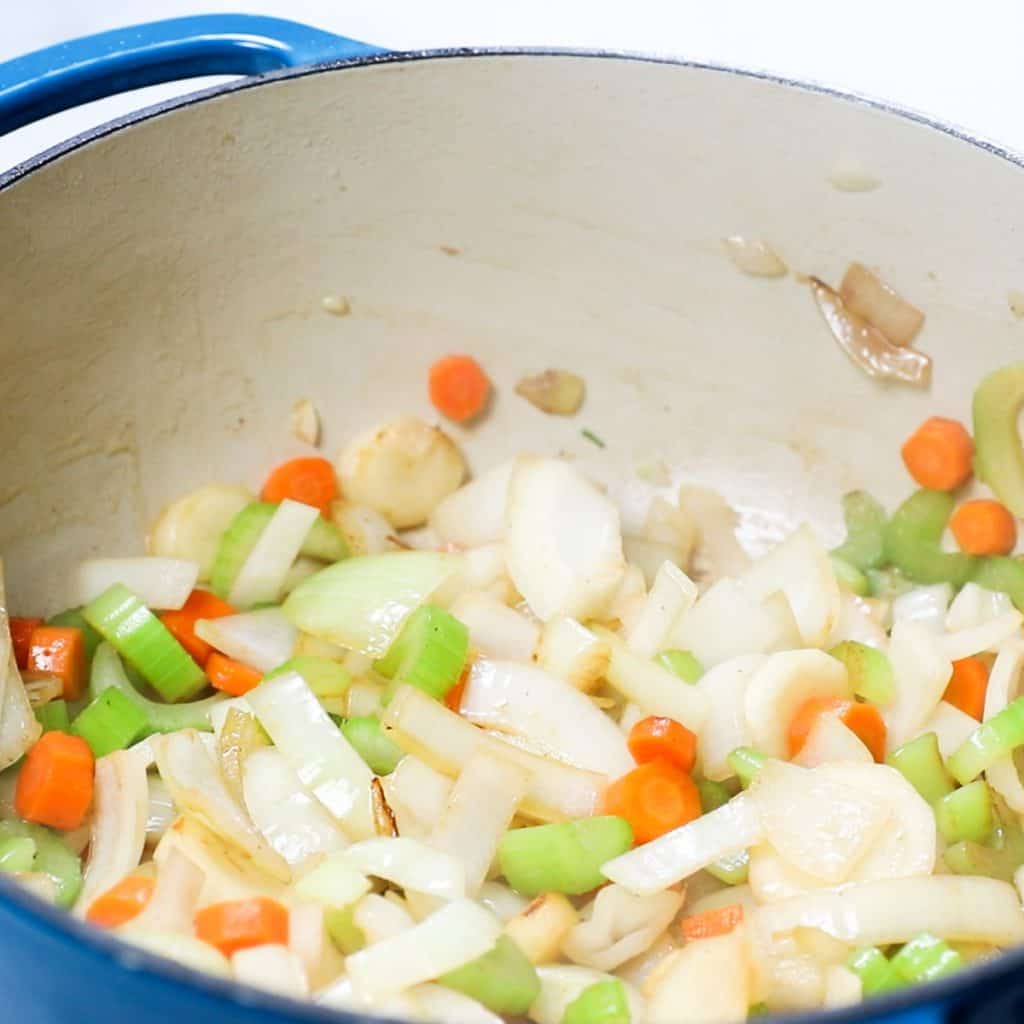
(951, 727)
(444, 1006)
(670, 533)
(628, 599)
(18, 726)
(754, 256)
(502, 901)
(830, 740)
(417, 795)
(725, 727)
(172, 906)
(365, 530)
(561, 984)
(779, 689)
(1004, 685)
(987, 636)
(718, 552)
(924, 605)
(182, 949)
(568, 650)
(475, 513)
(452, 936)
(551, 714)
(683, 851)
(479, 569)
(308, 940)
(563, 542)
(974, 606)
(158, 582)
(842, 987)
(858, 621)
(161, 810)
(273, 968)
(921, 671)
(557, 392)
(304, 422)
(41, 687)
(495, 630)
(263, 639)
(957, 908)
(866, 295)
(411, 865)
(382, 917)
(672, 594)
(540, 927)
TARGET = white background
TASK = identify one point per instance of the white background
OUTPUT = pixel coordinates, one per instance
(959, 62)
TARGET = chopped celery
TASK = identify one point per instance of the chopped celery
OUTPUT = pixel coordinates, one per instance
(53, 858)
(372, 744)
(992, 740)
(1000, 857)
(732, 869)
(926, 958)
(326, 678)
(920, 763)
(849, 576)
(17, 853)
(999, 458)
(887, 584)
(913, 537)
(746, 763)
(712, 795)
(869, 670)
(966, 813)
(864, 547)
(682, 664)
(109, 673)
(876, 973)
(110, 722)
(1004, 574)
(604, 1002)
(428, 652)
(53, 716)
(145, 642)
(565, 857)
(503, 979)
(74, 617)
(343, 930)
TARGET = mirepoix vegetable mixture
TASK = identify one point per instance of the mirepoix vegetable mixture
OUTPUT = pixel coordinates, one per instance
(453, 751)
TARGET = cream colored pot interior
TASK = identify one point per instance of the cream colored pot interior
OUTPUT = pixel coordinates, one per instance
(160, 304)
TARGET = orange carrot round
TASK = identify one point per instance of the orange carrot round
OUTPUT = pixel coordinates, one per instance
(967, 686)
(657, 737)
(938, 454)
(711, 923)
(121, 903)
(654, 798)
(55, 783)
(864, 720)
(309, 480)
(240, 924)
(458, 387)
(984, 527)
(201, 604)
(59, 651)
(231, 676)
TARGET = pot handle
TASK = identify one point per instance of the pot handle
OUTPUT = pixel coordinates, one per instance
(70, 74)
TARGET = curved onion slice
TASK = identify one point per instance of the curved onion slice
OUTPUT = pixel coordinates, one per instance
(572, 652)
(553, 715)
(960, 908)
(951, 727)
(561, 984)
(986, 636)
(857, 621)
(866, 295)
(417, 795)
(868, 348)
(495, 630)
(263, 639)
(1004, 684)
(163, 583)
(274, 968)
(975, 605)
(718, 552)
(18, 726)
(924, 605)
(411, 865)
(563, 541)
(678, 854)
(118, 833)
(781, 686)
(672, 594)
(725, 727)
(182, 949)
(172, 906)
(830, 740)
(921, 672)
(444, 1005)
(475, 513)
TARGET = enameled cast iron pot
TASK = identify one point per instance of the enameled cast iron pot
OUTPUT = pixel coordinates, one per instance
(160, 313)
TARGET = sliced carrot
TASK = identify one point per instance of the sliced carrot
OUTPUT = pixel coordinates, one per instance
(21, 636)
(55, 783)
(309, 480)
(984, 527)
(240, 924)
(201, 604)
(458, 387)
(864, 720)
(59, 651)
(453, 698)
(966, 689)
(122, 903)
(231, 676)
(658, 737)
(711, 923)
(654, 798)
(938, 454)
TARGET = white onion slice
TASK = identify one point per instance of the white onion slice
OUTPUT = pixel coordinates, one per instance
(182, 949)
(272, 968)
(570, 651)
(475, 513)
(172, 906)
(987, 636)
(857, 621)
(18, 726)
(263, 639)
(672, 594)
(495, 630)
(754, 256)
(725, 727)
(1004, 685)
(951, 727)
(163, 583)
(830, 740)
(417, 795)
(924, 605)
(865, 294)
(921, 671)
(410, 865)
(382, 917)
(975, 605)
(842, 987)
(445, 1006)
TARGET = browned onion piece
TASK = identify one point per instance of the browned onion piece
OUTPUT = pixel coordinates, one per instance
(867, 347)
(868, 296)
(558, 392)
(383, 817)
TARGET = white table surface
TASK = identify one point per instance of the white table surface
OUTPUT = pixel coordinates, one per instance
(959, 63)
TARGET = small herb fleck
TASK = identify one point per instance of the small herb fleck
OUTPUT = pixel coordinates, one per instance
(593, 438)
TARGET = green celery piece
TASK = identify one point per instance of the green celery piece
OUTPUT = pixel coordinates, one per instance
(1003, 574)
(428, 653)
(746, 763)
(53, 858)
(966, 813)
(849, 576)
(326, 678)
(564, 857)
(733, 869)
(913, 537)
(372, 744)
(887, 583)
(869, 670)
(346, 935)
(110, 722)
(682, 664)
(108, 672)
(503, 979)
(864, 547)
(999, 458)
(992, 740)
(926, 958)
(1003, 855)
(17, 854)
(604, 1002)
(53, 716)
(145, 642)
(920, 763)
(876, 973)
(712, 795)
(73, 617)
